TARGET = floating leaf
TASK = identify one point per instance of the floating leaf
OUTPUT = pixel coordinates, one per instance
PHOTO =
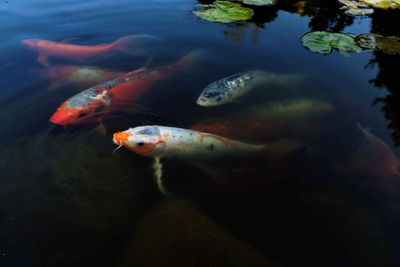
(259, 2)
(359, 11)
(224, 11)
(387, 44)
(384, 4)
(323, 42)
(355, 8)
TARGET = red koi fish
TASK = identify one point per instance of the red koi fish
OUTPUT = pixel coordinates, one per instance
(131, 44)
(94, 103)
(373, 158)
(251, 128)
(77, 75)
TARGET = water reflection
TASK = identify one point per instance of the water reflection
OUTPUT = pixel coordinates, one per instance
(387, 77)
(325, 16)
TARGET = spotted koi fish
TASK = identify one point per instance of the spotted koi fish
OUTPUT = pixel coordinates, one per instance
(170, 142)
(176, 143)
(93, 104)
(230, 88)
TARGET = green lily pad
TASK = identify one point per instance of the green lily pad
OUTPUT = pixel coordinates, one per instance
(323, 42)
(259, 2)
(387, 44)
(224, 12)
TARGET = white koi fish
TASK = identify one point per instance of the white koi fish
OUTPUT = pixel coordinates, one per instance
(230, 88)
(169, 142)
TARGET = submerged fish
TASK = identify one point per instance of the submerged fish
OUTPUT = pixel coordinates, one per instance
(235, 86)
(170, 142)
(374, 158)
(96, 102)
(176, 143)
(295, 109)
(257, 128)
(131, 44)
(77, 75)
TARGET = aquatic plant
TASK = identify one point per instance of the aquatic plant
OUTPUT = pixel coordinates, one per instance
(387, 44)
(224, 12)
(322, 42)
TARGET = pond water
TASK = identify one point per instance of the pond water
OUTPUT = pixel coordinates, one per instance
(323, 193)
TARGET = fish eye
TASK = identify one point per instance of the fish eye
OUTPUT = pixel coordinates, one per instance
(141, 143)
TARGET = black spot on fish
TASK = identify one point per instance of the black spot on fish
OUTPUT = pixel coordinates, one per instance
(211, 147)
(212, 94)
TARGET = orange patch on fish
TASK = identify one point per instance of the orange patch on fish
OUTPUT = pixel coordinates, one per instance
(201, 137)
(146, 148)
(121, 137)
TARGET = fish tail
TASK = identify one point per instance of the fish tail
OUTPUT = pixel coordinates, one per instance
(190, 61)
(137, 45)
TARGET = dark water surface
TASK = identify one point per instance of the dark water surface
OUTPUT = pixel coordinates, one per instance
(67, 200)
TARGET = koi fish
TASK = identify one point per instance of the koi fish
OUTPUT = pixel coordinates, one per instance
(373, 158)
(77, 75)
(96, 102)
(131, 44)
(229, 89)
(253, 128)
(298, 109)
(168, 142)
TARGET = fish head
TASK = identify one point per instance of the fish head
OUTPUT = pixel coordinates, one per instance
(31, 43)
(211, 96)
(89, 105)
(143, 140)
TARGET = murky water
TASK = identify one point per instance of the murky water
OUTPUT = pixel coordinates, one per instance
(323, 194)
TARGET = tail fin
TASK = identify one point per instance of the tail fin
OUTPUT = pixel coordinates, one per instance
(191, 61)
(138, 45)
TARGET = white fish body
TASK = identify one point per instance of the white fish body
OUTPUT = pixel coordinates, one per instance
(170, 142)
(230, 88)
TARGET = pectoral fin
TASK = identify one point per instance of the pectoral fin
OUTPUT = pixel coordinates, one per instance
(44, 60)
(158, 172)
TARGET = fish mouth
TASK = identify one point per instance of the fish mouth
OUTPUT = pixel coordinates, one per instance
(59, 119)
(201, 101)
(120, 138)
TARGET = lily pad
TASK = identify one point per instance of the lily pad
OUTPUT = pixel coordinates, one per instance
(359, 11)
(387, 44)
(323, 42)
(259, 2)
(224, 12)
(383, 4)
(355, 8)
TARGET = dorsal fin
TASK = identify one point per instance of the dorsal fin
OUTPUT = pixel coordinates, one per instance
(69, 40)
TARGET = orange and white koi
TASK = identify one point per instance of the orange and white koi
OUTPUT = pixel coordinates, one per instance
(96, 102)
(177, 143)
(131, 44)
(170, 142)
